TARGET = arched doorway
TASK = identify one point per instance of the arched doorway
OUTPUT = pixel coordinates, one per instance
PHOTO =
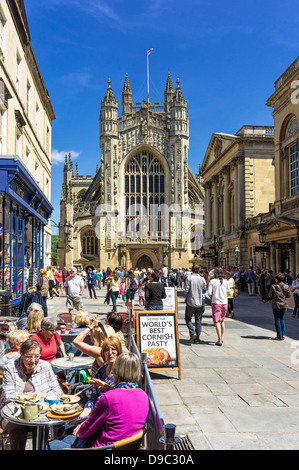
(144, 262)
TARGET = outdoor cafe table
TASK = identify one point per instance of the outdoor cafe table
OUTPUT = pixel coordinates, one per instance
(41, 423)
(78, 363)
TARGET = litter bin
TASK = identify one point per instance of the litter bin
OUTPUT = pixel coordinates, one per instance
(5, 303)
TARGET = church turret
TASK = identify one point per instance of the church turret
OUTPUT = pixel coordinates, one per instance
(179, 113)
(109, 114)
(127, 100)
(168, 94)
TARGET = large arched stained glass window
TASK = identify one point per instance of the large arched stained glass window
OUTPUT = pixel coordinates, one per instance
(144, 195)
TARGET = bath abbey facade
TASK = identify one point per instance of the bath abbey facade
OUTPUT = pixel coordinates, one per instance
(144, 206)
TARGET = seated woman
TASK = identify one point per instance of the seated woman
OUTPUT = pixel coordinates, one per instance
(35, 305)
(26, 374)
(97, 336)
(52, 345)
(103, 380)
(114, 319)
(119, 414)
(15, 339)
(34, 321)
(82, 321)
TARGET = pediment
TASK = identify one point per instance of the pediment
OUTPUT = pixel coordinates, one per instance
(218, 145)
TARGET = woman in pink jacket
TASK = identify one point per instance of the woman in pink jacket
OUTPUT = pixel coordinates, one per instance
(118, 414)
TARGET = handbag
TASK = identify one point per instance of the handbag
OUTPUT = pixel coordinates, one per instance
(59, 352)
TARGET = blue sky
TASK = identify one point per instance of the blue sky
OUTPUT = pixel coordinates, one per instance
(227, 56)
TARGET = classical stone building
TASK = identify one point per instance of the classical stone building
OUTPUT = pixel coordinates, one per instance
(26, 116)
(143, 208)
(238, 176)
(273, 236)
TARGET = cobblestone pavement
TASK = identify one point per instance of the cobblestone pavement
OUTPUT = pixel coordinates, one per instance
(243, 395)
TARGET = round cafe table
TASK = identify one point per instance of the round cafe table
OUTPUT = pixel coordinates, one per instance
(12, 413)
(78, 363)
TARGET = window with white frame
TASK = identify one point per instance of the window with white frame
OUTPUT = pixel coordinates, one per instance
(47, 140)
(2, 35)
(18, 142)
(18, 74)
(2, 131)
(28, 159)
(293, 161)
(28, 98)
(36, 118)
(37, 172)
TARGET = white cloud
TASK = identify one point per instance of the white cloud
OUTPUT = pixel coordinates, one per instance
(77, 79)
(59, 156)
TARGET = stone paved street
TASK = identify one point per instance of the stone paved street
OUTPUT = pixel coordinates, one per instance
(243, 395)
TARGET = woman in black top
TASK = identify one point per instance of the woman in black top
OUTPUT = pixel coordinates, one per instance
(154, 293)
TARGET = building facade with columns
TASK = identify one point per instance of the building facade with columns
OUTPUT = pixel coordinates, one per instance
(273, 237)
(238, 178)
(144, 206)
(26, 116)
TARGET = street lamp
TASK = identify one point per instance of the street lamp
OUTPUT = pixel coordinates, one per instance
(67, 228)
(262, 237)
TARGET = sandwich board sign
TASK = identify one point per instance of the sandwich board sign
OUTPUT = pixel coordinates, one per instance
(157, 336)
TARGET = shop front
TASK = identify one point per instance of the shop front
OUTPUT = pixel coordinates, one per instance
(24, 213)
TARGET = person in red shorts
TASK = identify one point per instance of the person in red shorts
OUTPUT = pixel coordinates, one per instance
(218, 290)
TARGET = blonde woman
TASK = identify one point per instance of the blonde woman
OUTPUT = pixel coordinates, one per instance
(82, 321)
(15, 339)
(34, 320)
(97, 335)
(114, 288)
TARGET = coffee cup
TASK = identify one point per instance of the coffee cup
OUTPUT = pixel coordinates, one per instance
(63, 329)
(51, 400)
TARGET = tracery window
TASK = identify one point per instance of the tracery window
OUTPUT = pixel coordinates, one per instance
(89, 243)
(144, 195)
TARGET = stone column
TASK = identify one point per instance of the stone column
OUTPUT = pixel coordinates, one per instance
(273, 256)
(226, 200)
(208, 221)
(236, 195)
(292, 263)
(215, 180)
(241, 188)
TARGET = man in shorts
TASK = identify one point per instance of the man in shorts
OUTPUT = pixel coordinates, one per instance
(74, 288)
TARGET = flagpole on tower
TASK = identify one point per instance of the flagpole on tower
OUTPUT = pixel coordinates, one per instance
(148, 53)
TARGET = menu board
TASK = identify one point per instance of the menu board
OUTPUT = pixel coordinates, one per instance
(157, 336)
(170, 302)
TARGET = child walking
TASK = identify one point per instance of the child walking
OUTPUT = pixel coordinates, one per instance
(141, 292)
(122, 291)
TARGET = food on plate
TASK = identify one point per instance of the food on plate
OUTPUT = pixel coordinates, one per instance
(157, 356)
(28, 397)
(69, 398)
(64, 409)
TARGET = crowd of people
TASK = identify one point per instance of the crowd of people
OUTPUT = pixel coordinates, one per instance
(26, 368)
(26, 363)
(221, 286)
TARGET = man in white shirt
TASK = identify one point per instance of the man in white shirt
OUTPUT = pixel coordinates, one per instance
(74, 288)
(195, 287)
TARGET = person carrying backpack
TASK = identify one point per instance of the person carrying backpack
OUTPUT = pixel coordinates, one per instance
(131, 289)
